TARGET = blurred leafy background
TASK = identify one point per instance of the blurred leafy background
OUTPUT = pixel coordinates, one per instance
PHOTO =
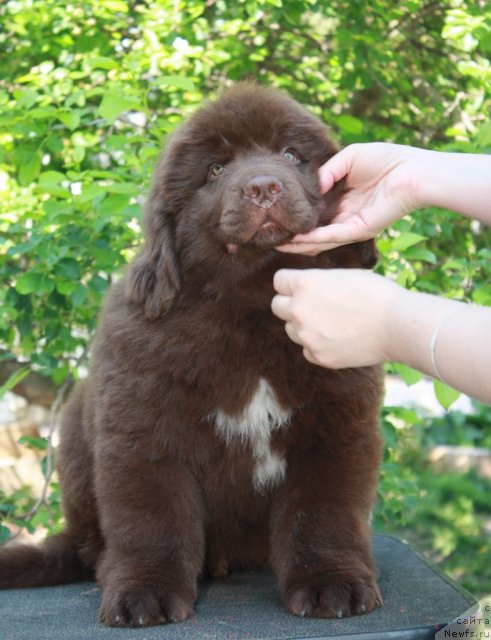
(88, 91)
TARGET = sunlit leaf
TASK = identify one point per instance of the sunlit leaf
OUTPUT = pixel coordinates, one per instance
(29, 171)
(445, 395)
(102, 62)
(349, 124)
(26, 98)
(405, 240)
(113, 106)
(178, 82)
(408, 374)
(71, 119)
(33, 282)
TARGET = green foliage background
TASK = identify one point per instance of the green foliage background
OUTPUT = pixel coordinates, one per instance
(89, 89)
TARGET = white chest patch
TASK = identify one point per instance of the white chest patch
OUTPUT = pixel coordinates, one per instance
(254, 426)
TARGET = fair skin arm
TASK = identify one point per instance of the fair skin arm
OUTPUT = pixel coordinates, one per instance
(375, 320)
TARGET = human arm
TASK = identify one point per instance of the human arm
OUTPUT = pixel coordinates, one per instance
(352, 318)
(387, 181)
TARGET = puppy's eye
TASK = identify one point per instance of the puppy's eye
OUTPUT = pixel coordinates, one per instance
(292, 155)
(215, 170)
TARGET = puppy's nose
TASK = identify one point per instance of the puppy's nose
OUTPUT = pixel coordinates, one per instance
(263, 190)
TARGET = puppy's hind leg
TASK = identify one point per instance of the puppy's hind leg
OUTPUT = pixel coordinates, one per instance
(76, 471)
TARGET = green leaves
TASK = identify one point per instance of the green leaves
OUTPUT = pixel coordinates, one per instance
(33, 282)
(5, 534)
(34, 442)
(349, 124)
(483, 135)
(446, 396)
(29, 170)
(25, 98)
(408, 374)
(179, 82)
(70, 119)
(113, 105)
(101, 62)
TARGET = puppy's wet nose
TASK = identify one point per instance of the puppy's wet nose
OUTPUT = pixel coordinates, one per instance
(264, 191)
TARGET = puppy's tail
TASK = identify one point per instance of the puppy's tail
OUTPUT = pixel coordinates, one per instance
(57, 561)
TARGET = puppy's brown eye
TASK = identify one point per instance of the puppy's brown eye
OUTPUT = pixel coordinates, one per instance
(291, 155)
(215, 170)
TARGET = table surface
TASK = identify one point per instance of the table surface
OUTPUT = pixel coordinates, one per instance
(418, 601)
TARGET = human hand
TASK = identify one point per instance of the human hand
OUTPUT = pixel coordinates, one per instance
(338, 316)
(355, 318)
(382, 179)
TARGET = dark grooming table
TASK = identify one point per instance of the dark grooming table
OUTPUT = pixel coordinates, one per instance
(418, 602)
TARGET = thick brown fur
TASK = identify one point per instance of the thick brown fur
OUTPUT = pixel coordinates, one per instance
(155, 494)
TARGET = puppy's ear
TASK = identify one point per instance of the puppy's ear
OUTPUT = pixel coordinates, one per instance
(153, 278)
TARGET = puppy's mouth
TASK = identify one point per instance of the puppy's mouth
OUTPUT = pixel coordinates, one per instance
(269, 234)
(266, 228)
(271, 229)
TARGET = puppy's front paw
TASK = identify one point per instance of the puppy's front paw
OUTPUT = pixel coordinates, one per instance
(142, 607)
(324, 595)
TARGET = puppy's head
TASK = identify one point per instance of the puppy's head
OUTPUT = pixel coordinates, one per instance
(236, 180)
(249, 163)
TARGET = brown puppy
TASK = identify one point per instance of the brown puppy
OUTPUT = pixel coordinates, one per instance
(203, 442)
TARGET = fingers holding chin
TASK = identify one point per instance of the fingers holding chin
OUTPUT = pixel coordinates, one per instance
(310, 249)
(308, 356)
(292, 332)
(319, 359)
(280, 306)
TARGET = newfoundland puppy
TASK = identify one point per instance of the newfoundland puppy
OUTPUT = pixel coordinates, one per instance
(203, 442)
